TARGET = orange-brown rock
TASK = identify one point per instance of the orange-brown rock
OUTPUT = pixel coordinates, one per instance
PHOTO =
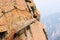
(19, 20)
(37, 31)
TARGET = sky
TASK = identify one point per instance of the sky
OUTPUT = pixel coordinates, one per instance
(50, 16)
(47, 7)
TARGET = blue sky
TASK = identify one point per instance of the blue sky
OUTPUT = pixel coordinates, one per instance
(47, 7)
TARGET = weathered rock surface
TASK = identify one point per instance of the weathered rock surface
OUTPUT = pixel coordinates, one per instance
(19, 20)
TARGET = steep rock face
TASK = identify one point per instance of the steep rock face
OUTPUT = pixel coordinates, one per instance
(28, 5)
(37, 30)
(14, 20)
(16, 16)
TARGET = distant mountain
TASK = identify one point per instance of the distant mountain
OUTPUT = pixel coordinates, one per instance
(52, 23)
(57, 38)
